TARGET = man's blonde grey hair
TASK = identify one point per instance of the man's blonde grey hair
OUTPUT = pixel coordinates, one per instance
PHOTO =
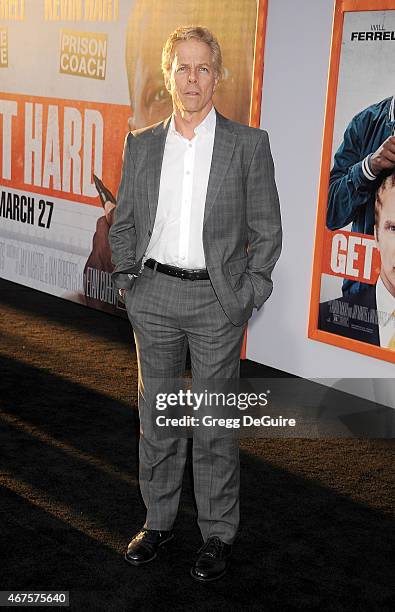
(186, 33)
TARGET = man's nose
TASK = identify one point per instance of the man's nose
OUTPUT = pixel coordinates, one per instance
(192, 75)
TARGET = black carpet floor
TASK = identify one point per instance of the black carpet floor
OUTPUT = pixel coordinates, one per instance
(317, 522)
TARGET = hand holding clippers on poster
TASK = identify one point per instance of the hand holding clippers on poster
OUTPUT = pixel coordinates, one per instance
(106, 197)
(384, 157)
(109, 204)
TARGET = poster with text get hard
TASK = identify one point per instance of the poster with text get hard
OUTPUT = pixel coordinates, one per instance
(353, 289)
(75, 77)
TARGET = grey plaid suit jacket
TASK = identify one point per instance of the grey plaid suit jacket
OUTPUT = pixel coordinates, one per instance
(242, 225)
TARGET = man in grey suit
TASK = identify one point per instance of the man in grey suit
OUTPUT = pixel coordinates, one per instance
(196, 235)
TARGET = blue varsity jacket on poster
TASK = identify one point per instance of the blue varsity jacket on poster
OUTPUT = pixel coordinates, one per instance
(352, 186)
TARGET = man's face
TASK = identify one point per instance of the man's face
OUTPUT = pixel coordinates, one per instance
(192, 80)
(385, 238)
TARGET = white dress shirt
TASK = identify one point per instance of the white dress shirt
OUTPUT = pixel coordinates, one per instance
(177, 238)
(385, 304)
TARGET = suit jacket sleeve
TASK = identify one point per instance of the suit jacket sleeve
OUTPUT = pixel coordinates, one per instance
(263, 221)
(122, 234)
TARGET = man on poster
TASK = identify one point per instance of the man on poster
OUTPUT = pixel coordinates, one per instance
(369, 315)
(367, 151)
(196, 235)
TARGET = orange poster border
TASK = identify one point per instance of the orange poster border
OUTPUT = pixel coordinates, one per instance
(259, 63)
(340, 7)
(256, 90)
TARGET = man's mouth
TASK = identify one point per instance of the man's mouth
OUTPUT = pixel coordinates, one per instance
(192, 93)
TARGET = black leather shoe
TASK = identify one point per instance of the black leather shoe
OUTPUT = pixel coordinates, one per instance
(212, 560)
(144, 546)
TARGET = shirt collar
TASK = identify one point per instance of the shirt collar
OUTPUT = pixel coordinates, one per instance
(207, 125)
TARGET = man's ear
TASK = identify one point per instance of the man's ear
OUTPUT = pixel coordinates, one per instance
(167, 82)
(376, 236)
(216, 80)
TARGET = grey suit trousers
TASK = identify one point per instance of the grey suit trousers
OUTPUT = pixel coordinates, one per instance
(167, 315)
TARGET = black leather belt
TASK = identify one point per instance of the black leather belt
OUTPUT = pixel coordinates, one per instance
(182, 273)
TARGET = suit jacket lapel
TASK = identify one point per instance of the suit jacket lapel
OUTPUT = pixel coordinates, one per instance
(224, 144)
(156, 148)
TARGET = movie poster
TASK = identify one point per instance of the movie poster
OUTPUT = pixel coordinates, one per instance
(76, 76)
(353, 289)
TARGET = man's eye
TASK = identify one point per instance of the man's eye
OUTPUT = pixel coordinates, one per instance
(203, 69)
(392, 228)
(181, 69)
